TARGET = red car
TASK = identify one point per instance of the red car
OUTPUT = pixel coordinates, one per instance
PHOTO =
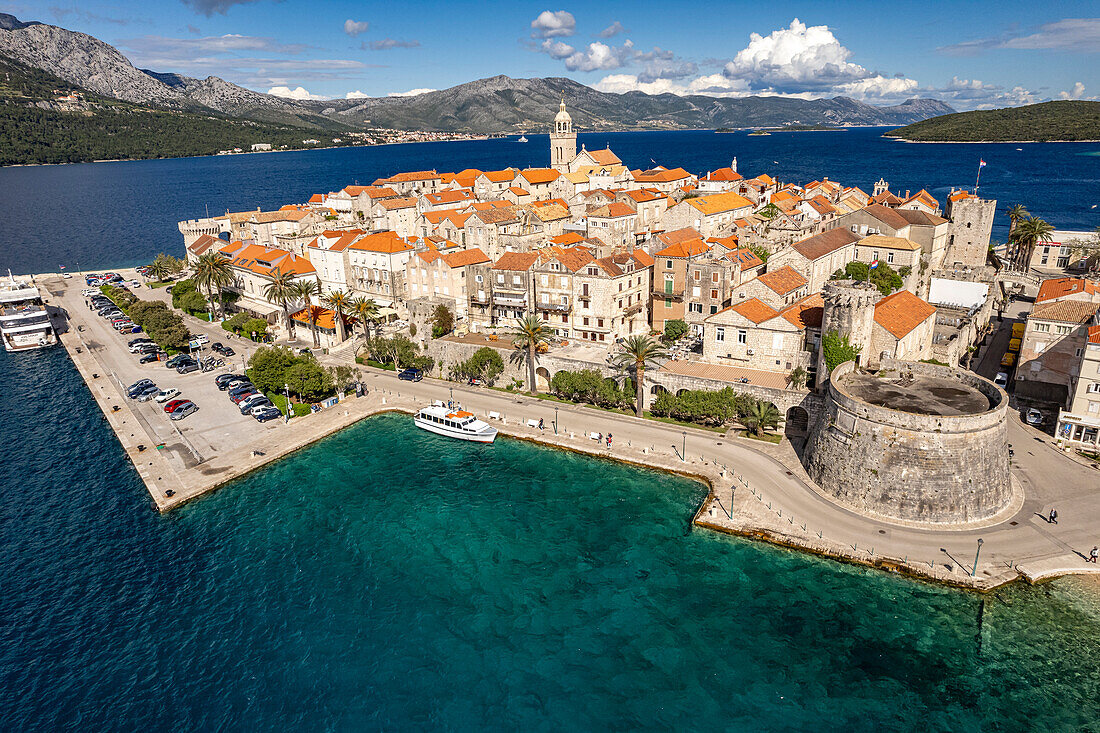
(239, 398)
(174, 404)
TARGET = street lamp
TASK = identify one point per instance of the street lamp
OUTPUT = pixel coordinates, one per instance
(684, 450)
(287, 388)
(975, 568)
(555, 420)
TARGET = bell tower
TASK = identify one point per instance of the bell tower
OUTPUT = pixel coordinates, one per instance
(563, 140)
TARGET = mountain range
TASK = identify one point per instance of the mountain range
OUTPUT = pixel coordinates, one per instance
(495, 105)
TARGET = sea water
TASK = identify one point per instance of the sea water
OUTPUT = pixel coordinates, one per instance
(387, 578)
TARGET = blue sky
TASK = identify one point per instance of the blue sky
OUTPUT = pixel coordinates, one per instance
(970, 54)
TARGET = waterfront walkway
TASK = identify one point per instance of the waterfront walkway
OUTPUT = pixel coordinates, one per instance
(758, 489)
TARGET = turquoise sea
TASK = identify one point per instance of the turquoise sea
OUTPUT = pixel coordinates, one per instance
(388, 579)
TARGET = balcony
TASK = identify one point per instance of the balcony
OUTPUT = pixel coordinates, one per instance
(631, 310)
(554, 307)
(482, 299)
(664, 293)
(510, 300)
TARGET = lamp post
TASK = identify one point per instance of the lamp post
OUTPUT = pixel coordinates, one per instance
(683, 451)
(287, 388)
(452, 392)
(555, 420)
(975, 568)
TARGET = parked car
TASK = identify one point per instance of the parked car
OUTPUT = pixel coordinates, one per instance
(411, 375)
(176, 360)
(222, 380)
(218, 347)
(140, 345)
(244, 386)
(174, 404)
(476, 382)
(237, 399)
(1034, 417)
(263, 414)
(148, 357)
(187, 367)
(138, 340)
(167, 395)
(89, 292)
(1001, 380)
(183, 411)
(138, 388)
(254, 401)
(202, 338)
(145, 393)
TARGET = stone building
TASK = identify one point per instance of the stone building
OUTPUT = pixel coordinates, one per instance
(563, 140)
(915, 442)
(778, 288)
(816, 258)
(970, 229)
(709, 215)
(1079, 424)
(512, 287)
(612, 297)
(670, 279)
(903, 255)
(1054, 341)
(753, 334)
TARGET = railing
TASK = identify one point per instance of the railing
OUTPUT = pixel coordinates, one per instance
(558, 307)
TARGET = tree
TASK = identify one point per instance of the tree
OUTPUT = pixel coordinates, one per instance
(281, 290)
(1027, 236)
(340, 302)
(309, 380)
(313, 317)
(365, 310)
(193, 302)
(180, 289)
(837, 349)
(443, 321)
(160, 267)
(236, 322)
(636, 354)
(485, 363)
(760, 416)
(267, 368)
(797, 378)
(530, 332)
(674, 330)
(759, 251)
(212, 273)
(254, 328)
(342, 377)
(306, 290)
(1016, 214)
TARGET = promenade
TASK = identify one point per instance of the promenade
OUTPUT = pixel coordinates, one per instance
(757, 489)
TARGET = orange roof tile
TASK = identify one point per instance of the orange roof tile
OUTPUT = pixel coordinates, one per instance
(755, 310)
(472, 256)
(500, 176)
(719, 203)
(614, 210)
(901, 312)
(1094, 334)
(961, 194)
(1062, 286)
(393, 204)
(723, 174)
(384, 242)
(536, 176)
(686, 248)
(325, 317)
(746, 258)
(1065, 311)
(825, 243)
(412, 176)
(679, 235)
(264, 260)
(604, 157)
(660, 176)
(805, 313)
(567, 239)
(784, 280)
(520, 261)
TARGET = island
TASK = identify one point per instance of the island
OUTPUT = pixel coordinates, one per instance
(1061, 121)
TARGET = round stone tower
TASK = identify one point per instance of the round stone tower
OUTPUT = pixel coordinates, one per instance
(913, 441)
(850, 311)
(192, 229)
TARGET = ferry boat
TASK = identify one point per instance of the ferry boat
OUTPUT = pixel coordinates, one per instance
(24, 321)
(454, 423)
(522, 139)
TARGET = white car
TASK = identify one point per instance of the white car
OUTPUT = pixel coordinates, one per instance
(202, 338)
(140, 346)
(166, 394)
(1034, 417)
(1001, 380)
(89, 292)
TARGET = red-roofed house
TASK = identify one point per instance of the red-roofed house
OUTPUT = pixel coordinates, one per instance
(443, 278)
(253, 265)
(613, 224)
(721, 180)
(1079, 424)
(752, 334)
(903, 328)
(376, 265)
(711, 215)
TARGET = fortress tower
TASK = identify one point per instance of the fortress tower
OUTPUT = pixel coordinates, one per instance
(850, 311)
(192, 229)
(563, 140)
(970, 229)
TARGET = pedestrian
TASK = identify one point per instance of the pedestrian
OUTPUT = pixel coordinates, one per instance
(1053, 518)
(599, 437)
(541, 424)
(1095, 553)
(609, 441)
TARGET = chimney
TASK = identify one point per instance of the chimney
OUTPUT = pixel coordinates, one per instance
(907, 193)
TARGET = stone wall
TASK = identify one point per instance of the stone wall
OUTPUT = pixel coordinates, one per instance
(925, 468)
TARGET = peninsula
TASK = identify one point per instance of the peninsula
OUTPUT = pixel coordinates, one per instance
(1061, 121)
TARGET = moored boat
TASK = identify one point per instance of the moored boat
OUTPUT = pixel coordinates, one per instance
(454, 423)
(24, 321)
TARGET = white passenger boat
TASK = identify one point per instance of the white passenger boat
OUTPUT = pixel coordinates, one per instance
(454, 423)
(522, 139)
(24, 321)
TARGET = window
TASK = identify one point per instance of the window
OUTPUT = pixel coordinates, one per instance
(777, 341)
(889, 258)
(714, 277)
(720, 333)
(1042, 327)
(1093, 388)
(874, 255)
(477, 278)
(620, 287)
(713, 309)
(565, 300)
(668, 264)
(599, 322)
(584, 321)
(742, 336)
(565, 282)
(714, 294)
(695, 292)
(668, 302)
(546, 281)
(516, 280)
(695, 276)
(584, 290)
(500, 278)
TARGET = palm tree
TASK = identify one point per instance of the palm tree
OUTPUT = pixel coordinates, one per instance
(313, 316)
(366, 310)
(637, 354)
(160, 268)
(760, 416)
(306, 289)
(1016, 214)
(281, 290)
(797, 378)
(1028, 234)
(530, 332)
(212, 273)
(339, 301)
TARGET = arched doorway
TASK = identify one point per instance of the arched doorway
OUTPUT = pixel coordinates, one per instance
(657, 389)
(797, 424)
(542, 379)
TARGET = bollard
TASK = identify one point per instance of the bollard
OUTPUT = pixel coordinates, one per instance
(819, 535)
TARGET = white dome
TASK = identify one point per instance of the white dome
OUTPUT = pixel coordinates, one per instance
(562, 115)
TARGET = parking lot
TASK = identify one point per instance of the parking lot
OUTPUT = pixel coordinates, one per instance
(216, 427)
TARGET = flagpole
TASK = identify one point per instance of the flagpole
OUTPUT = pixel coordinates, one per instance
(979, 178)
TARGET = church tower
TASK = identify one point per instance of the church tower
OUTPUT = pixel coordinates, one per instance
(563, 141)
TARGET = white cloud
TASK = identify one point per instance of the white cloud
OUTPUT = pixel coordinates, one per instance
(795, 59)
(553, 23)
(411, 93)
(879, 87)
(1077, 92)
(714, 85)
(387, 43)
(600, 56)
(612, 30)
(557, 49)
(356, 95)
(297, 93)
(355, 27)
(1080, 35)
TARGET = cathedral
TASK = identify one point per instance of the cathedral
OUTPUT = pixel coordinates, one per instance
(563, 140)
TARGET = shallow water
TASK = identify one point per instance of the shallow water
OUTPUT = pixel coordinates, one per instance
(389, 579)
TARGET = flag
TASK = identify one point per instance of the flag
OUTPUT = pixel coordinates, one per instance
(981, 163)
(874, 264)
(62, 266)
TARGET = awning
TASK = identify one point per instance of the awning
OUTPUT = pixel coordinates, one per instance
(385, 312)
(260, 308)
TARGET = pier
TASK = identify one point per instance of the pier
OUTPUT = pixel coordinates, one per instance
(757, 490)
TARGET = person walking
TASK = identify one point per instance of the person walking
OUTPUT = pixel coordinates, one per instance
(541, 424)
(609, 441)
(1093, 554)
(1053, 518)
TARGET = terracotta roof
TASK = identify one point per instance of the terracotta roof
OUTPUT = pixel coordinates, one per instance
(745, 258)
(825, 243)
(567, 239)
(642, 257)
(1063, 286)
(961, 194)
(685, 248)
(317, 199)
(472, 256)
(805, 313)
(614, 210)
(765, 179)
(520, 261)
(925, 198)
(500, 176)
(517, 191)
(535, 176)
(718, 203)
(883, 242)
(755, 310)
(264, 260)
(498, 216)
(490, 205)
(920, 218)
(429, 255)
(384, 242)
(392, 204)
(679, 235)
(1094, 334)
(723, 174)
(203, 243)
(450, 197)
(901, 312)
(1065, 311)
(887, 198)
(266, 217)
(603, 157)
(336, 240)
(886, 215)
(660, 176)
(572, 258)
(374, 192)
(642, 195)
(325, 317)
(576, 177)
(412, 176)
(729, 242)
(784, 280)
(822, 205)
(550, 213)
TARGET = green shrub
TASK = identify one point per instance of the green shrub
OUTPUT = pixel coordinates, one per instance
(300, 409)
(236, 322)
(192, 302)
(705, 407)
(837, 349)
(485, 363)
(589, 385)
(255, 329)
(675, 329)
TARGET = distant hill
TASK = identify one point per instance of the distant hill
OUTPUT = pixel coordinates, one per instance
(504, 104)
(1048, 121)
(44, 119)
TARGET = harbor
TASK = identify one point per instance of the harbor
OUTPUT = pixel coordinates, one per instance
(756, 489)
